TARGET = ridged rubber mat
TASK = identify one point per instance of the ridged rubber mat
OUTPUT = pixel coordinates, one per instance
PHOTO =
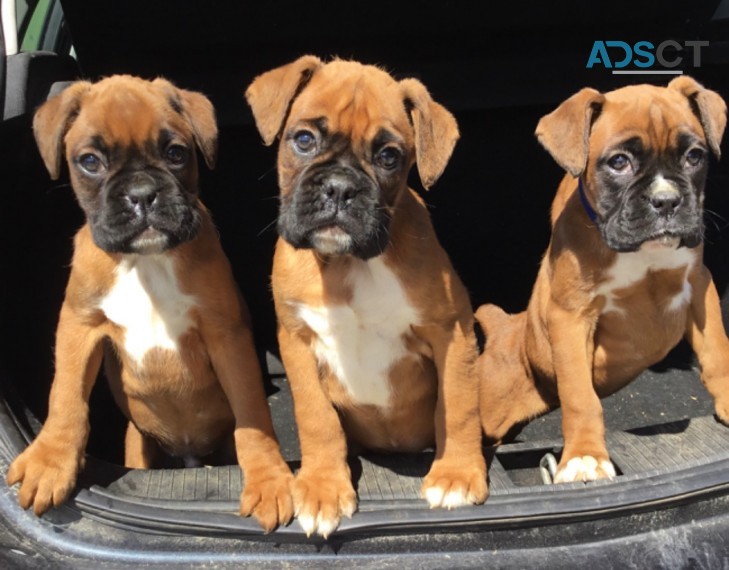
(514, 470)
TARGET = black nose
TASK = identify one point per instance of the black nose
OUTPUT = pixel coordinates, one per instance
(340, 189)
(142, 193)
(665, 202)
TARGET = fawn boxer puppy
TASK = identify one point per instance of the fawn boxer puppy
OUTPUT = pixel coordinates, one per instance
(623, 278)
(152, 294)
(375, 327)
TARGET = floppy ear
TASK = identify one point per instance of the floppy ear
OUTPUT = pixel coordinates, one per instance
(565, 132)
(436, 131)
(271, 94)
(708, 106)
(51, 122)
(199, 113)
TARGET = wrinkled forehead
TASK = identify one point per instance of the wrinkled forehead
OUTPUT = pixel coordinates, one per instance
(661, 118)
(127, 115)
(355, 100)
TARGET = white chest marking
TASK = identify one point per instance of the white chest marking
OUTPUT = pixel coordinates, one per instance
(147, 303)
(359, 342)
(631, 267)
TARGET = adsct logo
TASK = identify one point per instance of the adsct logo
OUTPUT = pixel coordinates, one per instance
(644, 58)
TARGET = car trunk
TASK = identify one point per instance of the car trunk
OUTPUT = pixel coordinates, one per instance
(498, 72)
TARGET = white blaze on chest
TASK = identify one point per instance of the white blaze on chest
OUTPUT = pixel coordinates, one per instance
(360, 341)
(147, 303)
(631, 267)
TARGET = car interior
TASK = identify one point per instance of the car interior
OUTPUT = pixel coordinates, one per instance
(498, 69)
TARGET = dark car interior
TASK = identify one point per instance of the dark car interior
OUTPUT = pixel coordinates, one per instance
(498, 68)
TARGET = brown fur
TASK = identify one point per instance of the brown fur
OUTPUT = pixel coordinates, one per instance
(563, 350)
(433, 389)
(188, 402)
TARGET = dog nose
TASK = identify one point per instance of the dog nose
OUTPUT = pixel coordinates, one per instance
(340, 189)
(665, 202)
(142, 194)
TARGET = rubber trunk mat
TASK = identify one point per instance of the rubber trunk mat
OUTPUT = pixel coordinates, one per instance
(381, 478)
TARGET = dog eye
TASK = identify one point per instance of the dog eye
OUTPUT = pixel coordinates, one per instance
(388, 157)
(176, 154)
(619, 162)
(694, 157)
(90, 163)
(305, 141)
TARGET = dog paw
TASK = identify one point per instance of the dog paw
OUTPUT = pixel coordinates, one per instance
(721, 407)
(585, 468)
(321, 500)
(46, 473)
(450, 486)
(267, 496)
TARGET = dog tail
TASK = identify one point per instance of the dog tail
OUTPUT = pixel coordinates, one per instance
(492, 319)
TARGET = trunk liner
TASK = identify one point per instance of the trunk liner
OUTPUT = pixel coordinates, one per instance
(661, 465)
(648, 451)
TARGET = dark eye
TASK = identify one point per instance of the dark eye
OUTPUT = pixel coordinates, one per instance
(619, 162)
(90, 163)
(305, 141)
(388, 157)
(176, 154)
(694, 157)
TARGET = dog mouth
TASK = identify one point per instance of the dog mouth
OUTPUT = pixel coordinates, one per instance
(331, 239)
(658, 241)
(149, 242)
(661, 234)
(662, 241)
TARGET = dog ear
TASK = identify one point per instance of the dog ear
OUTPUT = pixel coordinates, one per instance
(436, 131)
(708, 106)
(199, 113)
(565, 132)
(52, 121)
(271, 94)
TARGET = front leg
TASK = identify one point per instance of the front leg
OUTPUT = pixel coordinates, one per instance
(49, 466)
(585, 456)
(323, 491)
(707, 336)
(267, 491)
(140, 451)
(458, 474)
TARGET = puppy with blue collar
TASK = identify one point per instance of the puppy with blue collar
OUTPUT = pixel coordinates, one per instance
(623, 279)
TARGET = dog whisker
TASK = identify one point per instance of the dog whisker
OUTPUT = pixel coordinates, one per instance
(266, 173)
(267, 227)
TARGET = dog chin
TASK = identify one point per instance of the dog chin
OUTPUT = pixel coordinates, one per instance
(331, 240)
(661, 243)
(149, 242)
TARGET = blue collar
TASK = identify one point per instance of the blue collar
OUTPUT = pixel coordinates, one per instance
(591, 213)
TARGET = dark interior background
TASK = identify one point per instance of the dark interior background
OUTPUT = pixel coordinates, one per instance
(498, 68)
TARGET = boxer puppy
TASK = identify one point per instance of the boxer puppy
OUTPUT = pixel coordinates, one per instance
(375, 329)
(623, 278)
(152, 294)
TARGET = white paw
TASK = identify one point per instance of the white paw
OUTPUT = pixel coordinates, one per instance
(585, 468)
(437, 497)
(323, 525)
(320, 525)
(308, 524)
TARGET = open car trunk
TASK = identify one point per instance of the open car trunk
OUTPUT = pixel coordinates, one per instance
(498, 70)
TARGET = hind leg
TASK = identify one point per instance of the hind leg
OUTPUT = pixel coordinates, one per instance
(509, 395)
(509, 398)
(707, 335)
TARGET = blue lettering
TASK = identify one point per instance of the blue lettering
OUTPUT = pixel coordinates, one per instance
(628, 53)
(599, 54)
(640, 49)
